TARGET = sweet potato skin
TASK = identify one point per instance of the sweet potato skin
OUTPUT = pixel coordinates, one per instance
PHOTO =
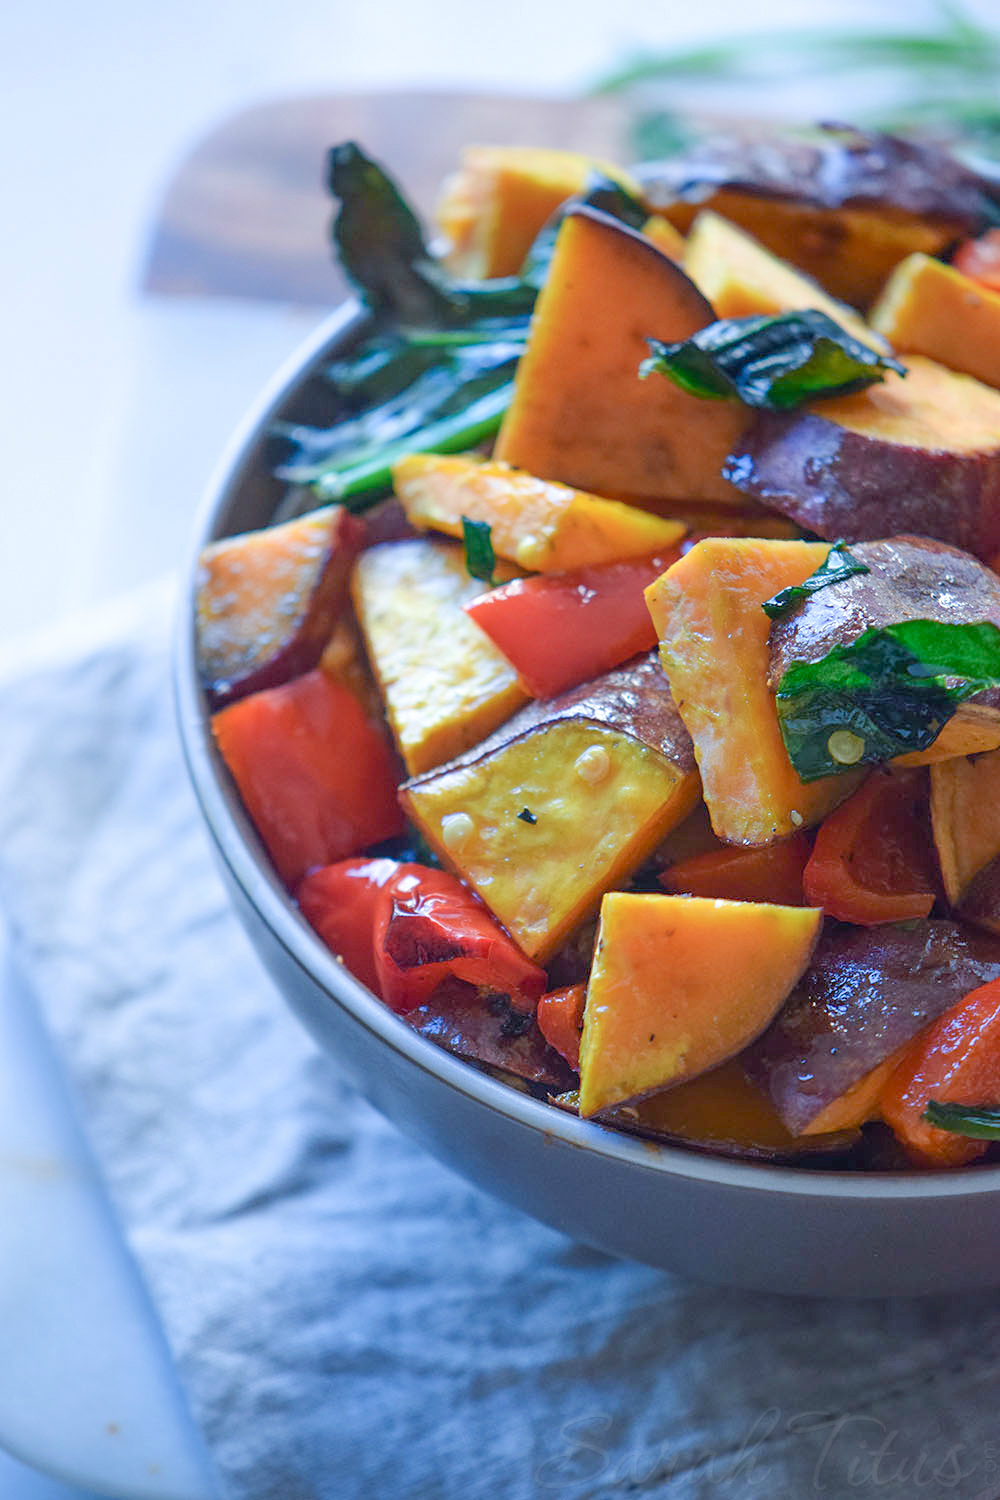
(866, 994)
(844, 205)
(267, 601)
(816, 468)
(909, 578)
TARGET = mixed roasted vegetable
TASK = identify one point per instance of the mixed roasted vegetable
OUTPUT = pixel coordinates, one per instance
(618, 694)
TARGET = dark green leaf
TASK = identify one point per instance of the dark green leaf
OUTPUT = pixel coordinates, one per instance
(964, 1119)
(380, 243)
(480, 559)
(527, 816)
(772, 362)
(839, 564)
(885, 694)
(454, 404)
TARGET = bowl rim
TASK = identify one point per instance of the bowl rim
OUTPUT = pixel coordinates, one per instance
(239, 847)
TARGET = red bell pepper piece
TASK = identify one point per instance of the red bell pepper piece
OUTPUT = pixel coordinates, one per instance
(560, 1020)
(317, 777)
(872, 861)
(773, 874)
(955, 1060)
(565, 628)
(404, 928)
(980, 259)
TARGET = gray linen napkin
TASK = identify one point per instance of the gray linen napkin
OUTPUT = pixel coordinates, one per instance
(349, 1318)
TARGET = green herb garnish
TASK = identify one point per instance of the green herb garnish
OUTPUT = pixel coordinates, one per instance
(839, 564)
(527, 816)
(480, 559)
(964, 1119)
(776, 363)
(885, 694)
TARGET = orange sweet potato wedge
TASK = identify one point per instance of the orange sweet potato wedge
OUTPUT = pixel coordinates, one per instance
(965, 816)
(929, 308)
(267, 601)
(544, 527)
(492, 208)
(713, 646)
(679, 984)
(580, 413)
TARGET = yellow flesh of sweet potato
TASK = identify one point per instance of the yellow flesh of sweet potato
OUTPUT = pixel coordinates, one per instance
(681, 983)
(965, 815)
(543, 879)
(930, 308)
(849, 251)
(445, 684)
(713, 645)
(493, 207)
(544, 527)
(563, 802)
(741, 279)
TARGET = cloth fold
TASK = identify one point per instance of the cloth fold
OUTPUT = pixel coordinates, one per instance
(351, 1319)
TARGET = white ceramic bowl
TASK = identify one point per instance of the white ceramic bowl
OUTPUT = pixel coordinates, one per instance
(781, 1229)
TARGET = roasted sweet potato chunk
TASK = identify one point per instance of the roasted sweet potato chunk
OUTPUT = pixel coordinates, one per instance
(680, 984)
(919, 453)
(909, 578)
(492, 208)
(965, 815)
(563, 802)
(842, 204)
(445, 684)
(713, 645)
(930, 308)
(543, 527)
(864, 997)
(742, 279)
(580, 413)
(267, 600)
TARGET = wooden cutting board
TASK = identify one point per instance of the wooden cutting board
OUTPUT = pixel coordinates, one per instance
(247, 214)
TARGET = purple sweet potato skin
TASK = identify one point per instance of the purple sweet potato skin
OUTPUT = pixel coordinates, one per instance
(909, 578)
(831, 167)
(843, 484)
(866, 993)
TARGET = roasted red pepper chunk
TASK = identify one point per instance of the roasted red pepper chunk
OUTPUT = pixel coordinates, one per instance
(317, 777)
(561, 629)
(403, 929)
(873, 860)
(956, 1060)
